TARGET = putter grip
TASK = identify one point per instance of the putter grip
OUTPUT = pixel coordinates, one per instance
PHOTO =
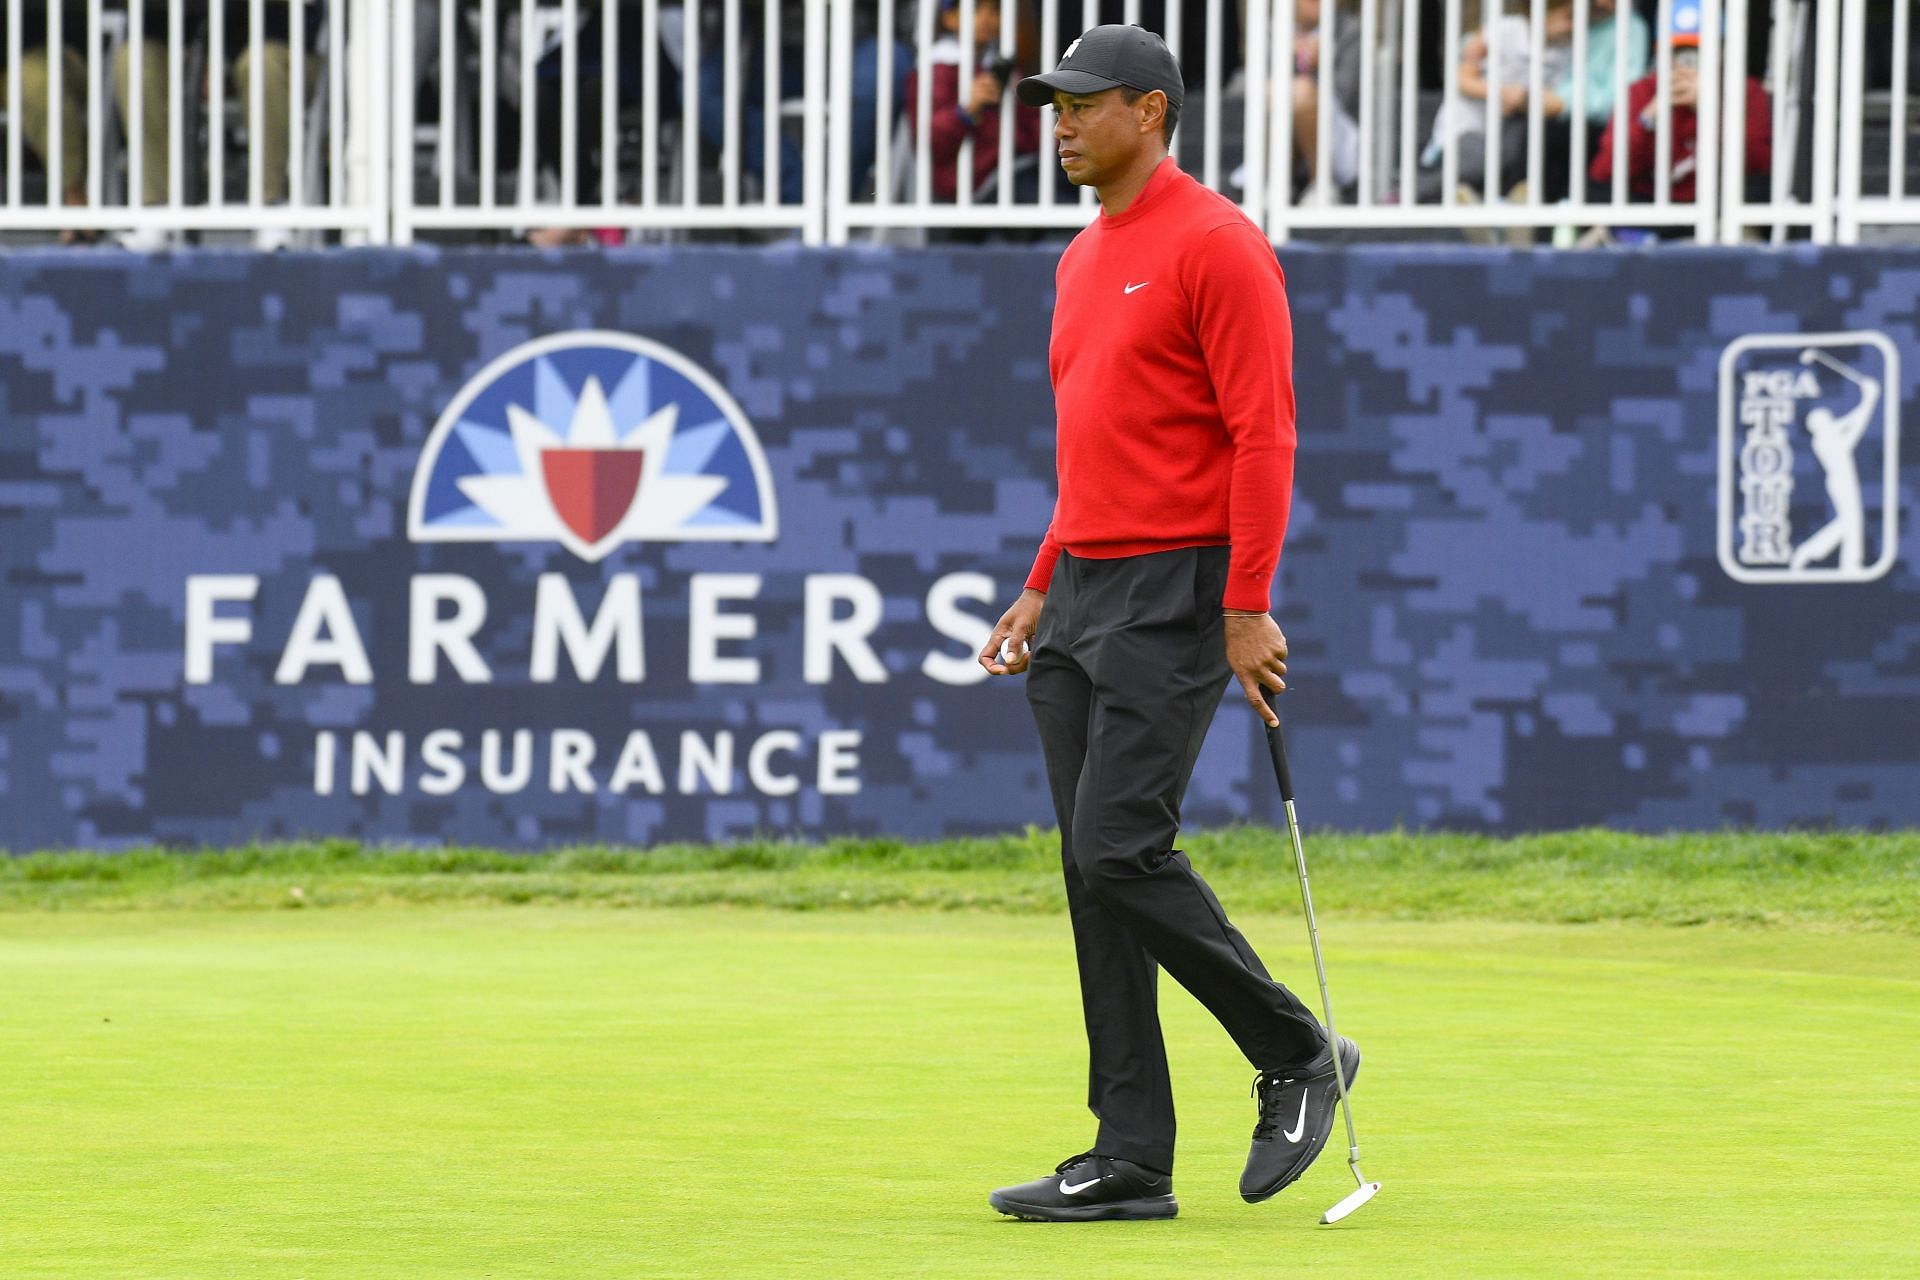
(1277, 748)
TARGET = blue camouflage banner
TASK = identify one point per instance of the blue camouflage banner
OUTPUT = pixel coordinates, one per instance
(700, 542)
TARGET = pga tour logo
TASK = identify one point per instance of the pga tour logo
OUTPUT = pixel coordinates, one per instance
(592, 439)
(1809, 457)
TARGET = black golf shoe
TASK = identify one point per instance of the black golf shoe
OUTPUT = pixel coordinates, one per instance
(1089, 1188)
(1296, 1115)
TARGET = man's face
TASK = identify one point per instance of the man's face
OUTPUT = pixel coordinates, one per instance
(1098, 135)
(986, 23)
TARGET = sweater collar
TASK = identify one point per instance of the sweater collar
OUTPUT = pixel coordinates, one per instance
(1163, 178)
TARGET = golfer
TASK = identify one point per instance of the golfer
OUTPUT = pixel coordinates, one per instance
(1172, 356)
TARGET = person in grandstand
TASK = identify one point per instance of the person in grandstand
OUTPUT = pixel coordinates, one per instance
(954, 119)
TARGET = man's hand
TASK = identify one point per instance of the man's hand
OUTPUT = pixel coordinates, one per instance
(986, 93)
(1686, 88)
(1014, 632)
(1513, 99)
(1257, 652)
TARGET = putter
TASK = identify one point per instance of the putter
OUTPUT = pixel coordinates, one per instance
(1363, 1190)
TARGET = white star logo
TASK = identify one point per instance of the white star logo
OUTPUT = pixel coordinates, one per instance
(603, 438)
(525, 506)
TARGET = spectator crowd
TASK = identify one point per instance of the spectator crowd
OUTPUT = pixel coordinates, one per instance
(1469, 152)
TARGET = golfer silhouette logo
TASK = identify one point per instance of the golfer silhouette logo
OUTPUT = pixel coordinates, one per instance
(1801, 408)
(1835, 436)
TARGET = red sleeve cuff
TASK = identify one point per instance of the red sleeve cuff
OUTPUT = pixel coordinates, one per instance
(1248, 591)
(1041, 576)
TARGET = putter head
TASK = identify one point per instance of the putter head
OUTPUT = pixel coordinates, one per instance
(1360, 1195)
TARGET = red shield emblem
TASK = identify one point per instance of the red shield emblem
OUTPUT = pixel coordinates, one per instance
(592, 489)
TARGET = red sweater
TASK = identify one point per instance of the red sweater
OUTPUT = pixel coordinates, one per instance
(1172, 362)
(1642, 150)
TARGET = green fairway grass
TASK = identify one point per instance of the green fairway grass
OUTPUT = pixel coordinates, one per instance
(571, 1091)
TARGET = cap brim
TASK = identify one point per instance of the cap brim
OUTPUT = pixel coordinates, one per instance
(1038, 91)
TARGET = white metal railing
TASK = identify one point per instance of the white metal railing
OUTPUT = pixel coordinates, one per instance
(1802, 55)
(833, 119)
(334, 140)
(1389, 117)
(655, 169)
(1855, 204)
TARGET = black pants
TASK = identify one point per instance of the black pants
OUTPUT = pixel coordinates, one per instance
(1128, 668)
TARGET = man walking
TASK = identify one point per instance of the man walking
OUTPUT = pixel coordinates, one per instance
(1171, 362)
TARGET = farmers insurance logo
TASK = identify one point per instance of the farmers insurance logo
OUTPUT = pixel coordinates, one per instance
(592, 439)
(1809, 457)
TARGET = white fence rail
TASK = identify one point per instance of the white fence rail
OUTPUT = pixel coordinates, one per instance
(155, 109)
(1860, 200)
(1715, 120)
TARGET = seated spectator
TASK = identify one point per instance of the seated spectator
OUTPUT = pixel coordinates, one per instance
(1307, 63)
(36, 87)
(791, 71)
(1598, 76)
(36, 84)
(276, 57)
(1464, 120)
(951, 122)
(591, 152)
(1643, 124)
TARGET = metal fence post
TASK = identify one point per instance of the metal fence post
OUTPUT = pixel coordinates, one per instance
(1253, 197)
(813, 230)
(396, 82)
(1826, 67)
(840, 118)
(1733, 157)
(1707, 134)
(1853, 74)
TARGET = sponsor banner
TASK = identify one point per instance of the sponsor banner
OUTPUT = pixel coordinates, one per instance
(700, 544)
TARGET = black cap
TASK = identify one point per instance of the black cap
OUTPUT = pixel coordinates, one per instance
(1107, 58)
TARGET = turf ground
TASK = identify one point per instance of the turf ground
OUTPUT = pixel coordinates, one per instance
(421, 1088)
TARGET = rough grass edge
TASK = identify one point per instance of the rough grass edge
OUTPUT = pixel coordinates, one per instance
(1831, 879)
